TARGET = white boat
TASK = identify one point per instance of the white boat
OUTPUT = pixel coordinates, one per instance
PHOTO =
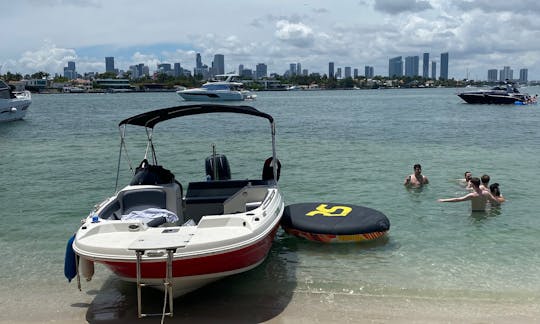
(224, 90)
(149, 232)
(13, 105)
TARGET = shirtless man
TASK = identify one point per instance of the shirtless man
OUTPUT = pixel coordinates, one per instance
(485, 182)
(416, 179)
(478, 197)
(466, 181)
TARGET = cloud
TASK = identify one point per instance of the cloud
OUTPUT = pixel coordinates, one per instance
(296, 34)
(395, 7)
(48, 58)
(522, 7)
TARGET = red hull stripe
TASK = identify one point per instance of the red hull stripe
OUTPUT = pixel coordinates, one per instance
(215, 263)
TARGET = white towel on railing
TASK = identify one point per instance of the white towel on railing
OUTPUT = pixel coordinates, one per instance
(151, 213)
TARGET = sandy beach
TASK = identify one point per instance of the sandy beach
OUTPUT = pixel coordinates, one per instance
(221, 302)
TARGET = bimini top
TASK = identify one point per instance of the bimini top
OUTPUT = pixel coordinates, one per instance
(151, 118)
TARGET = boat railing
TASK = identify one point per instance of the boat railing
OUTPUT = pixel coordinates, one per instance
(23, 94)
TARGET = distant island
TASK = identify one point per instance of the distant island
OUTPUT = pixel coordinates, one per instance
(41, 82)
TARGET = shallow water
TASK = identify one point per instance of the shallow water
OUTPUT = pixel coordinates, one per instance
(335, 146)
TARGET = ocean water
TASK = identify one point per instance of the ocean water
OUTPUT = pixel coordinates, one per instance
(335, 146)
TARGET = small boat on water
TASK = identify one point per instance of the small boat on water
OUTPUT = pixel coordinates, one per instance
(497, 95)
(13, 105)
(150, 233)
(224, 90)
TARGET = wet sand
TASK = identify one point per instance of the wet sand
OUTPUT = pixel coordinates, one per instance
(115, 302)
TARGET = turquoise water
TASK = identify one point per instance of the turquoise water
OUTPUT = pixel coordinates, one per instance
(335, 146)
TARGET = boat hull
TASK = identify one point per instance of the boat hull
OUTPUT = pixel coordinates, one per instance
(191, 273)
(211, 96)
(13, 109)
(486, 98)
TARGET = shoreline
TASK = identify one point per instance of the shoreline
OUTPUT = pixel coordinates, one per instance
(114, 301)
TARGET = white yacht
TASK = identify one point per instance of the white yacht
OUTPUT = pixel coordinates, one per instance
(222, 90)
(13, 105)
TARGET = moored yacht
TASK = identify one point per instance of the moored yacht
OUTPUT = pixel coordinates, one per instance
(224, 90)
(13, 105)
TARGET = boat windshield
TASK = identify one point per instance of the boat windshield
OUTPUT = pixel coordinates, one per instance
(5, 91)
(214, 86)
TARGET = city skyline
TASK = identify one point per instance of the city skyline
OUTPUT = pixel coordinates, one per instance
(350, 34)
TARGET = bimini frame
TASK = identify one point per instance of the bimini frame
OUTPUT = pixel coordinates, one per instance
(150, 119)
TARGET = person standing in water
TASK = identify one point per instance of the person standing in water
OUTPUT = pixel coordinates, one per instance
(416, 179)
(478, 197)
(496, 192)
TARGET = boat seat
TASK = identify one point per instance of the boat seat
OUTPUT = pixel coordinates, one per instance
(208, 197)
(143, 199)
(112, 211)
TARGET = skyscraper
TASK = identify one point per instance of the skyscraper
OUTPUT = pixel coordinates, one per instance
(425, 65)
(412, 66)
(434, 70)
(347, 72)
(261, 70)
(292, 69)
(395, 67)
(109, 64)
(219, 64)
(177, 70)
(198, 61)
(368, 71)
(69, 71)
(444, 66)
(506, 74)
(523, 75)
(331, 70)
(492, 75)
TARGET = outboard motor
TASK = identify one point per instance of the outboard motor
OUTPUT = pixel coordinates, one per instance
(268, 170)
(148, 174)
(217, 167)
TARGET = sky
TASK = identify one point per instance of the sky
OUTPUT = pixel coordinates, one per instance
(43, 35)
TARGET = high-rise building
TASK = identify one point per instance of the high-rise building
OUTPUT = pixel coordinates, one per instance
(198, 61)
(69, 71)
(368, 71)
(338, 73)
(395, 67)
(523, 75)
(348, 72)
(298, 68)
(331, 70)
(177, 71)
(109, 64)
(240, 69)
(434, 70)
(200, 69)
(444, 66)
(412, 66)
(506, 74)
(292, 69)
(425, 66)
(492, 75)
(355, 73)
(261, 70)
(219, 64)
